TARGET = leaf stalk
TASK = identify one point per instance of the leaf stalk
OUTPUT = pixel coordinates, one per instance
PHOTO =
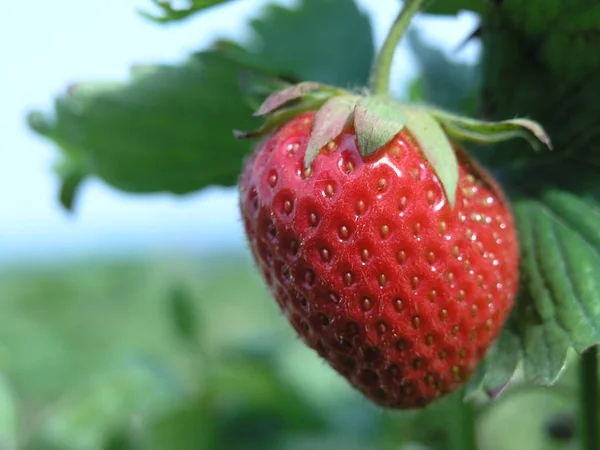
(380, 74)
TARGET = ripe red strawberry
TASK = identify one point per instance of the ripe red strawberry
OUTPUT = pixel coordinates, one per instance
(396, 289)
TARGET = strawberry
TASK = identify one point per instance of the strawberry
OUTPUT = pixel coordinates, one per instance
(390, 251)
(398, 291)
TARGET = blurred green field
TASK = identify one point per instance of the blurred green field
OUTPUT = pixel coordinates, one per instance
(174, 353)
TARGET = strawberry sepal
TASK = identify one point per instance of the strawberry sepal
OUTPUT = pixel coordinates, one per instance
(469, 129)
(378, 119)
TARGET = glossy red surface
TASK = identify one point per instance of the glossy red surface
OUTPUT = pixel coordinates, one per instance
(399, 292)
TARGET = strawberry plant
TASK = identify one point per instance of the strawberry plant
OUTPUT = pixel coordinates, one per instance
(431, 250)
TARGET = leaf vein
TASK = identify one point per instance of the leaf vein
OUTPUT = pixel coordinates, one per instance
(567, 270)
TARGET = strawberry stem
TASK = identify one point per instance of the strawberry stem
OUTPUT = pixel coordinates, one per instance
(380, 75)
(589, 415)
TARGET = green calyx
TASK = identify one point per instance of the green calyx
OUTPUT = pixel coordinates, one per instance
(378, 119)
(290, 102)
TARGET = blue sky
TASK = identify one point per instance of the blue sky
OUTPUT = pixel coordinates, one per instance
(72, 40)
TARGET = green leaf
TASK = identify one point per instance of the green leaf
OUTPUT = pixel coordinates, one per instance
(313, 41)
(436, 147)
(247, 404)
(159, 132)
(257, 86)
(90, 412)
(452, 7)
(8, 417)
(256, 385)
(496, 370)
(71, 177)
(190, 426)
(183, 313)
(377, 120)
(557, 207)
(169, 128)
(170, 13)
(330, 121)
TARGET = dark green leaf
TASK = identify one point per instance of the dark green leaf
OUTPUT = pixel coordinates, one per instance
(328, 41)
(170, 13)
(71, 180)
(189, 427)
(377, 120)
(444, 83)
(557, 209)
(256, 86)
(455, 6)
(169, 128)
(256, 386)
(495, 371)
(330, 121)
(247, 404)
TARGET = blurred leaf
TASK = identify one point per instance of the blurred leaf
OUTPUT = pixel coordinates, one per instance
(91, 412)
(256, 406)
(61, 324)
(170, 127)
(8, 417)
(444, 83)
(183, 313)
(257, 87)
(328, 442)
(416, 90)
(255, 383)
(171, 13)
(329, 41)
(455, 6)
(557, 207)
(498, 367)
(190, 427)
(245, 405)
(71, 179)
(160, 132)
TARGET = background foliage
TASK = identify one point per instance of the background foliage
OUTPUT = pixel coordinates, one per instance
(171, 354)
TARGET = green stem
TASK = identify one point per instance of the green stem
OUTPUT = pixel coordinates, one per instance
(589, 419)
(380, 75)
(462, 435)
